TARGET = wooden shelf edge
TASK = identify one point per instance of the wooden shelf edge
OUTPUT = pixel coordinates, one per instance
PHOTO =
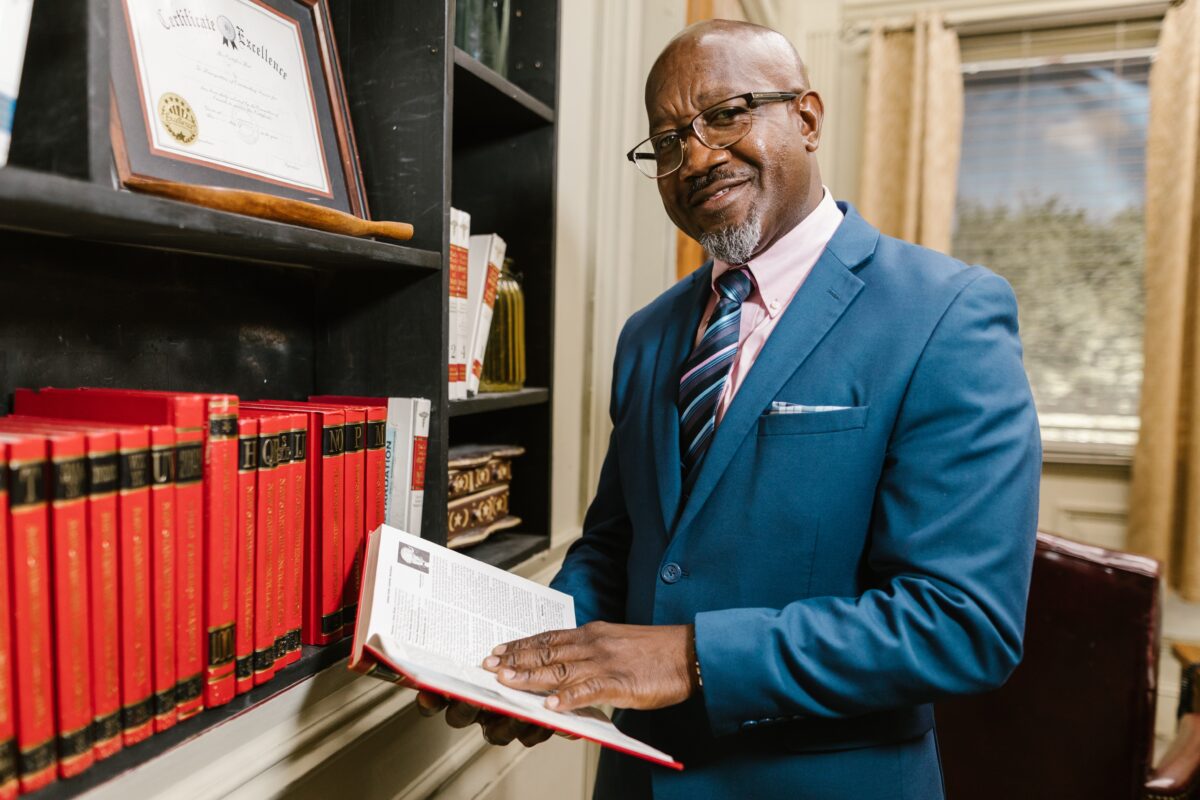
(312, 661)
(496, 401)
(48, 204)
(477, 69)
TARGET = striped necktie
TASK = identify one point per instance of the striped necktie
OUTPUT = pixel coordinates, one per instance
(706, 370)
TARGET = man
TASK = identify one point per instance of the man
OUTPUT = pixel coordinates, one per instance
(817, 511)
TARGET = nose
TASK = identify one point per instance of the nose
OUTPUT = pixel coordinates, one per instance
(699, 158)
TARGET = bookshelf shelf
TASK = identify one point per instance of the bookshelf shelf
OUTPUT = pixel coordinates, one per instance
(506, 550)
(44, 203)
(488, 106)
(496, 401)
(312, 661)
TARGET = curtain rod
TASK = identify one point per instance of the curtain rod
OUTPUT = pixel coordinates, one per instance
(967, 23)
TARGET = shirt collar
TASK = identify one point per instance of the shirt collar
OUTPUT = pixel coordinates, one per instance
(779, 270)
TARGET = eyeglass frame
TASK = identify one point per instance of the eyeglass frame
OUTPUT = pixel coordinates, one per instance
(753, 100)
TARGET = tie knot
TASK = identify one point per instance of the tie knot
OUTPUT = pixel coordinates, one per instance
(735, 285)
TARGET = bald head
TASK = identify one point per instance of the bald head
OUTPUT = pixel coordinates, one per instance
(736, 195)
(769, 49)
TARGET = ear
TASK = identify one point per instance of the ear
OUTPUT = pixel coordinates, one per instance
(810, 109)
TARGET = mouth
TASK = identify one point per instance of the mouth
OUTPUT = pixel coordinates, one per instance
(717, 194)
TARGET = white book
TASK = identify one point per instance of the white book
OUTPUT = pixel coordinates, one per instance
(14, 31)
(429, 616)
(460, 239)
(486, 257)
(407, 444)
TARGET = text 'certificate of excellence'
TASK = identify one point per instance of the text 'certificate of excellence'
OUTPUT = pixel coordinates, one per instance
(225, 83)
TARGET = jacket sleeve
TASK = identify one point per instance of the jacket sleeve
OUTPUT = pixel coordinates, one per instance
(952, 539)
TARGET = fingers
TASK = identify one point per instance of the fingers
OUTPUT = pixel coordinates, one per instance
(499, 729)
(544, 640)
(532, 657)
(588, 692)
(460, 714)
(429, 703)
(534, 735)
(549, 678)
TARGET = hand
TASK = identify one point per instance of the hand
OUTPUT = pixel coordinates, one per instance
(628, 666)
(497, 729)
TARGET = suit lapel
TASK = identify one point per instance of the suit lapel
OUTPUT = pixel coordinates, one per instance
(673, 349)
(826, 294)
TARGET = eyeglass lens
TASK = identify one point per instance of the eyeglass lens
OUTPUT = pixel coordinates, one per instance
(717, 128)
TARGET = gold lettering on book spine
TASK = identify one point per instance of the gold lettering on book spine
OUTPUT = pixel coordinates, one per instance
(39, 648)
(107, 654)
(141, 595)
(77, 577)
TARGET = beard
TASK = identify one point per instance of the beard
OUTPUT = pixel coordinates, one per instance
(734, 244)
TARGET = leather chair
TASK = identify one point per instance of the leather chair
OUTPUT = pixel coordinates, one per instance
(1076, 719)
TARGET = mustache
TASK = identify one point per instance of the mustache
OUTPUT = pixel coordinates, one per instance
(702, 181)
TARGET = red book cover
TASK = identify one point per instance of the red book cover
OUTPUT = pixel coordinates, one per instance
(28, 530)
(8, 730)
(281, 551)
(323, 584)
(71, 604)
(162, 574)
(247, 516)
(267, 522)
(375, 508)
(103, 479)
(186, 414)
(293, 584)
(220, 546)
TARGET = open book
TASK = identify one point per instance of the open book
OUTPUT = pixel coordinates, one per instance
(428, 616)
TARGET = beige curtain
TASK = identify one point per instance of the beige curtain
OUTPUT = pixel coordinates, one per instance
(1165, 502)
(913, 132)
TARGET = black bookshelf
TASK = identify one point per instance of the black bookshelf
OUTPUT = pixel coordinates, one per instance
(111, 288)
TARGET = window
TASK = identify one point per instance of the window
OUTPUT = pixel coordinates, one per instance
(1051, 196)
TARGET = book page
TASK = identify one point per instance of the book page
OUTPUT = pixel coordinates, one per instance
(433, 615)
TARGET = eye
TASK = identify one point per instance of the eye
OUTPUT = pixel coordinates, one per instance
(727, 116)
(665, 143)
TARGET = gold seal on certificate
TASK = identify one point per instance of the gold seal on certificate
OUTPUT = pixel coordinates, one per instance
(241, 94)
(177, 117)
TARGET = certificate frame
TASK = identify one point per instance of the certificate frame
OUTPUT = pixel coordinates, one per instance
(132, 126)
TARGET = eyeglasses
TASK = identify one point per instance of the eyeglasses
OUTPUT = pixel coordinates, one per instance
(717, 127)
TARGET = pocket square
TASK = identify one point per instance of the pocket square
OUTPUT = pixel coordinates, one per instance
(781, 407)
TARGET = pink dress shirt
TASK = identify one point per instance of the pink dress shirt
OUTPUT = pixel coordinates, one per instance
(778, 273)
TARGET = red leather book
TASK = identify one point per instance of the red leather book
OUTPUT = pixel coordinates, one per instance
(280, 547)
(163, 509)
(269, 517)
(354, 442)
(104, 610)
(375, 508)
(8, 730)
(185, 413)
(247, 517)
(69, 580)
(296, 454)
(323, 519)
(29, 559)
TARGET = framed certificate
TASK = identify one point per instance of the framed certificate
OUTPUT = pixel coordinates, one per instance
(241, 94)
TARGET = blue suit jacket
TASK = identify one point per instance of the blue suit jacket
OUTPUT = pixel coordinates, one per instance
(843, 568)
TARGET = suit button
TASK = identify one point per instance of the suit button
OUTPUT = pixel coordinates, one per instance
(671, 573)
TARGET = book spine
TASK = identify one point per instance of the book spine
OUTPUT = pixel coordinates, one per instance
(103, 484)
(72, 629)
(282, 549)
(32, 646)
(483, 324)
(459, 324)
(264, 555)
(376, 507)
(416, 470)
(399, 448)
(162, 574)
(220, 548)
(295, 596)
(247, 513)
(189, 636)
(355, 505)
(332, 515)
(8, 730)
(137, 699)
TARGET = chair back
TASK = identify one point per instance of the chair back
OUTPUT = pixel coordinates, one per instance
(1076, 719)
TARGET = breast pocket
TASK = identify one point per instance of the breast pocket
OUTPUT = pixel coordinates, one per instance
(813, 422)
